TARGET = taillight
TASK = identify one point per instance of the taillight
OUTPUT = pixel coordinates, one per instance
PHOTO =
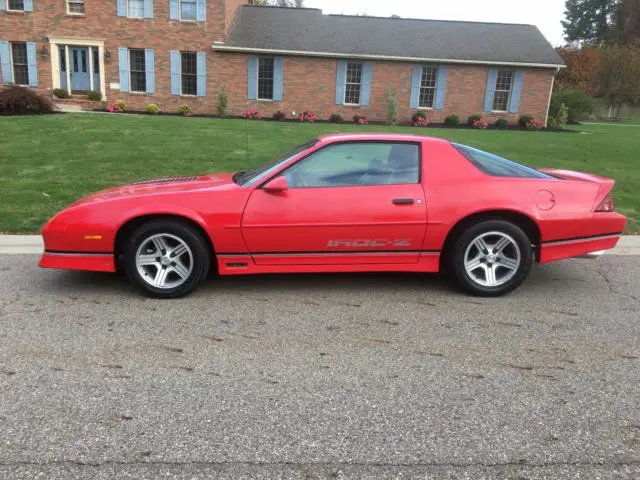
(606, 205)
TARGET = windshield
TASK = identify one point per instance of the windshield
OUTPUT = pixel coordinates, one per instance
(497, 166)
(257, 174)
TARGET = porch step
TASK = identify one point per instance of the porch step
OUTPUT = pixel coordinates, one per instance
(67, 107)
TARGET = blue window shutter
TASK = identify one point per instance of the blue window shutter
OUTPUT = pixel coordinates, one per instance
(32, 64)
(416, 80)
(441, 88)
(123, 66)
(121, 8)
(201, 65)
(341, 78)
(174, 10)
(365, 87)
(201, 10)
(278, 78)
(175, 72)
(148, 8)
(150, 68)
(516, 90)
(491, 89)
(252, 78)
(5, 62)
(28, 5)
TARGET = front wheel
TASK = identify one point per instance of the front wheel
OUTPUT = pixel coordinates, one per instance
(166, 259)
(492, 258)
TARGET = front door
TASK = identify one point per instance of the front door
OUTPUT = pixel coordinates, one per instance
(79, 64)
(348, 203)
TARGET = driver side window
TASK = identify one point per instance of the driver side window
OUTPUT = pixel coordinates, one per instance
(358, 164)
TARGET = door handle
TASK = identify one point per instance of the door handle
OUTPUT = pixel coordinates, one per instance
(403, 201)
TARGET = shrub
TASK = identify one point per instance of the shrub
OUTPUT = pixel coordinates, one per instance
(279, 116)
(336, 118)
(420, 121)
(122, 105)
(524, 119)
(534, 125)
(391, 100)
(578, 103)
(472, 119)
(452, 120)
(185, 110)
(308, 117)
(480, 123)
(152, 108)
(61, 93)
(23, 101)
(360, 119)
(501, 123)
(419, 114)
(251, 114)
(560, 119)
(94, 96)
(223, 103)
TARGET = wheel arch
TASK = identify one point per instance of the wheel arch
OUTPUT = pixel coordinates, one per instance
(522, 220)
(129, 226)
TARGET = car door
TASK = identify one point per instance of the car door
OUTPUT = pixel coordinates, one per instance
(347, 203)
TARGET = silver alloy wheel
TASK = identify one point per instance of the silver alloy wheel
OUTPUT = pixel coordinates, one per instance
(492, 259)
(164, 261)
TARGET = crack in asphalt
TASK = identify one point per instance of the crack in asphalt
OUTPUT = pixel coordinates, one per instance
(609, 282)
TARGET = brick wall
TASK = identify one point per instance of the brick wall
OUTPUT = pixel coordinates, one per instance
(309, 83)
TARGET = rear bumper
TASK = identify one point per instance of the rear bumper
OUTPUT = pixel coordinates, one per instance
(589, 247)
(94, 262)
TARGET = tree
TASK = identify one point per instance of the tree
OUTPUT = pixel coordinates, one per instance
(581, 71)
(590, 21)
(280, 3)
(618, 74)
(628, 22)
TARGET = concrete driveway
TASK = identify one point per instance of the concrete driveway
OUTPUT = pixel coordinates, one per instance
(321, 376)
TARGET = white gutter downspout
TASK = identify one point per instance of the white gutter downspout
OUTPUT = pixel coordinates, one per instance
(553, 80)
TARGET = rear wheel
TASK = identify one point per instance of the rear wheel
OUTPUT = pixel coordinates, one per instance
(492, 258)
(166, 258)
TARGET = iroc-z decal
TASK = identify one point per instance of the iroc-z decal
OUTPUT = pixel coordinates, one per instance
(378, 242)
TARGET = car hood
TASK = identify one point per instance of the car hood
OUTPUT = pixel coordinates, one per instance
(161, 186)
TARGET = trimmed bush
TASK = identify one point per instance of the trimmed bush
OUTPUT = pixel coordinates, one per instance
(452, 120)
(472, 119)
(185, 110)
(122, 105)
(23, 101)
(94, 96)
(152, 108)
(279, 116)
(524, 119)
(61, 93)
(419, 115)
(336, 118)
(501, 123)
(534, 125)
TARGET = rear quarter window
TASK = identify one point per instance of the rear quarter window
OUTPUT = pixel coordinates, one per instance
(497, 166)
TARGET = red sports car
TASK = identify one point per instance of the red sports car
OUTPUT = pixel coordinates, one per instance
(342, 203)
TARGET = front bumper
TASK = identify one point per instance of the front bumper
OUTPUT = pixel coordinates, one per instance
(93, 262)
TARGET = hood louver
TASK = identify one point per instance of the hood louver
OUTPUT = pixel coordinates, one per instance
(167, 180)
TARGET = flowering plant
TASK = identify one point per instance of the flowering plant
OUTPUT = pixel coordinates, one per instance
(480, 123)
(113, 108)
(251, 114)
(420, 122)
(534, 125)
(360, 119)
(309, 117)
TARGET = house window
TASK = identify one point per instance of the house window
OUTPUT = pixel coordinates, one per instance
(265, 78)
(75, 7)
(15, 5)
(19, 62)
(135, 8)
(504, 82)
(428, 87)
(188, 10)
(137, 70)
(353, 84)
(189, 73)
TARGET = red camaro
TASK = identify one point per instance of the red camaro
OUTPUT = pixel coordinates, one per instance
(342, 203)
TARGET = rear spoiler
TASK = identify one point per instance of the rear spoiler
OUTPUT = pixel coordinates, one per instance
(605, 185)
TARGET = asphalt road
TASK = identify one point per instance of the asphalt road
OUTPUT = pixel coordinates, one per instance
(329, 376)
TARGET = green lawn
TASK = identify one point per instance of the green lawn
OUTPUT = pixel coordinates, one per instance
(48, 162)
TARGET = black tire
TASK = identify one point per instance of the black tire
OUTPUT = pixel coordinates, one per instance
(470, 284)
(199, 258)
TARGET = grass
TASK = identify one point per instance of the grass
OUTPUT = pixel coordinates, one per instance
(48, 162)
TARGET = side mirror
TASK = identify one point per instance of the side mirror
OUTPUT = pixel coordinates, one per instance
(277, 185)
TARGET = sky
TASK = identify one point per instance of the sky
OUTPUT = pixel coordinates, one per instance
(545, 14)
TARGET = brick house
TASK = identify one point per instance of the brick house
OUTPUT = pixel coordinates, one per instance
(171, 52)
